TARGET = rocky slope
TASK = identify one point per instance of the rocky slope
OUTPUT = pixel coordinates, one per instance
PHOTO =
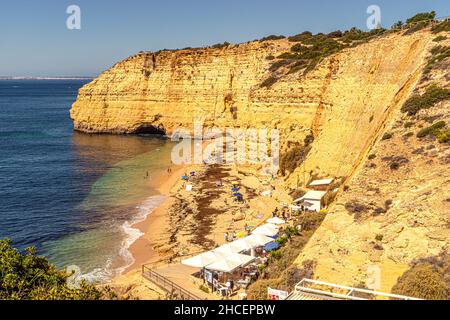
(347, 103)
(395, 208)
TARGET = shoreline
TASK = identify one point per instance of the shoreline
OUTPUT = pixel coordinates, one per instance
(142, 249)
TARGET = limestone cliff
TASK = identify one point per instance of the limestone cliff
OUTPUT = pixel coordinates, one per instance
(395, 208)
(344, 101)
(347, 103)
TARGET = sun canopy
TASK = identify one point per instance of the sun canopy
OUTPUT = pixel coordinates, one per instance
(202, 260)
(276, 220)
(257, 240)
(267, 229)
(226, 249)
(240, 245)
(231, 263)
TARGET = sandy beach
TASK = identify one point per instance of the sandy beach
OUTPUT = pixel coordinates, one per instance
(190, 222)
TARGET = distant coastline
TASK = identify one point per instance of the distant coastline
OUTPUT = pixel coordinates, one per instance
(45, 78)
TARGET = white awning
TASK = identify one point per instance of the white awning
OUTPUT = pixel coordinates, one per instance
(241, 245)
(267, 229)
(202, 260)
(226, 249)
(231, 263)
(276, 220)
(258, 240)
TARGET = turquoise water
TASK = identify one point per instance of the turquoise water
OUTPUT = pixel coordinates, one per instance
(74, 196)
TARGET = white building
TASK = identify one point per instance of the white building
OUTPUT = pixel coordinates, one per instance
(312, 200)
(321, 185)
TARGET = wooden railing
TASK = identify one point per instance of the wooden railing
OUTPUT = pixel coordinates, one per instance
(174, 291)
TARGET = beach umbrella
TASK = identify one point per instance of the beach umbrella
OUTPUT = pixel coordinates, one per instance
(185, 177)
(235, 189)
(237, 194)
(276, 220)
(235, 183)
(271, 246)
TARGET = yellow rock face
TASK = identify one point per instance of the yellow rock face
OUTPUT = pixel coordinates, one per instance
(407, 211)
(347, 103)
(343, 102)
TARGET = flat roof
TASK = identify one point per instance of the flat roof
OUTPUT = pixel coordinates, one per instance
(312, 195)
(321, 182)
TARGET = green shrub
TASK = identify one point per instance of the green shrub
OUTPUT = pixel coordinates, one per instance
(432, 95)
(293, 159)
(441, 27)
(272, 37)
(394, 165)
(424, 16)
(397, 25)
(300, 37)
(356, 207)
(308, 139)
(431, 130)
(408, 124)
(310, 221)
(387, 136)
(278, 64)
(291, 231)
(438, 54)
(443, 136)
(422, 281)
(335, 34)
(282, 239)
(30, 277)
(440, 38)
(275, 255)
(416, 27)
(221, 45)
(329, 197)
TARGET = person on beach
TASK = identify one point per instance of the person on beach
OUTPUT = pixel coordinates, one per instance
(228, 284)
(226, 236)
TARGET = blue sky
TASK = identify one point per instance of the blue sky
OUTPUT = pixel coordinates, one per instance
(35, 41)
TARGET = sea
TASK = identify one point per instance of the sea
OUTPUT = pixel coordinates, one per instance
(73, 196)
